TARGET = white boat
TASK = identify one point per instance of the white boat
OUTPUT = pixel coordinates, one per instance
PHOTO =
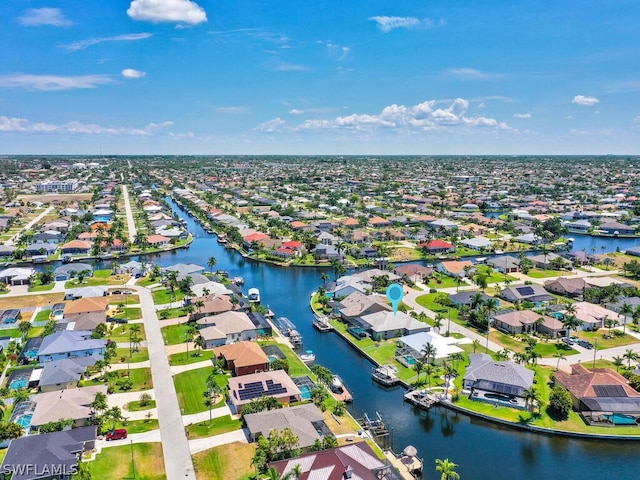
(238, 280)
(295, 338)
(308, 356)
(254, 295)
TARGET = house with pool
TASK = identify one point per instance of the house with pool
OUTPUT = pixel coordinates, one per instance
(410, 347)
(70, 344)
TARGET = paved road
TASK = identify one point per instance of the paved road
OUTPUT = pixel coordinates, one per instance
(177, 455)
(131, 225)
(30, 224)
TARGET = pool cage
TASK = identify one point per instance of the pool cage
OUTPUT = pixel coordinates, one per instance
(23, 413)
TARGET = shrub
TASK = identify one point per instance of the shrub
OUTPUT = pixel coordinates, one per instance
(559, 403)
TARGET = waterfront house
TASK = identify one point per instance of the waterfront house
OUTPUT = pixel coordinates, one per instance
(456, 268)
(505, 264)
(69, 344)
(489, 376)
(596, 392)
(86, 292)
(68, 271)
(594, 317)
(42, 248)
(244, 389)
(414, 272)
(567, 287)
(443, 224)
(437, 246)
(226, 328)
(368, 276)
(578, 257)
(76, 247)
(616, 228)
(477, 243)
(185, 269)
(48, 455)
(7, 251)
(306, 422)
(358, 304)
(347, 285)
(69, 403)
(243, 358)
(354, 461)
(410, 347)
(158, 241)
(385, 325)
(527, 321)
(548, 261)
(526, 293)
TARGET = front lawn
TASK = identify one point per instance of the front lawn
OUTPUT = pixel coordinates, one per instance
(439, 280)
(226, 461)
(602, 337)
(131, 313)
(141, 378)
(135, 406)
(546, 349)
(163, 296)
(115, 462)
(174, 334)
(184, 358)
(190, 387)
(38, 287)
(538, 273)
(142, 355)
(216, 427)
(121, 332)
(133, 426)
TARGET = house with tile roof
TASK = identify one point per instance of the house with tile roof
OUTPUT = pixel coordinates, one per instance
(244, 389)
(243, 358)
(526, 321)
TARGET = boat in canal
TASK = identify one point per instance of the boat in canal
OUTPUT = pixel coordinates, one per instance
(295, 338)
(339, 391)
(421, 398)
(308, 356)
(386, 375)
(285, 326)
(253, 295)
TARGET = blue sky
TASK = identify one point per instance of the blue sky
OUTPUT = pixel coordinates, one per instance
(319, 77)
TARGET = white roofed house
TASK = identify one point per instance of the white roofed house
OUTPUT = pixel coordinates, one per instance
(17, 275)
(385, 324)
(412, 346)
(594, 317)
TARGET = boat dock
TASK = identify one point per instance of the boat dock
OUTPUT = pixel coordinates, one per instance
(339, 391)
(386, 375)
(322, 324)
(421, 398)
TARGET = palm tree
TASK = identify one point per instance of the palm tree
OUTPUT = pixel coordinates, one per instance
(447, 469)
(324, 276)
(437, 322)
(24, 328)
(571, 322)
(459, 282)
(418, 367)
(530, 397)
(212, 262)
(429, 370)
(627, 311)
(476, 300)
(475, 344)
(559, 356)
(618, 361)
(428, 351)
(630, 356)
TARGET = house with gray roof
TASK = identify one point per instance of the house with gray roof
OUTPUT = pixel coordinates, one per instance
(526, 293)
(184, 269)
(65, 373)
(505, 378)
(69, 270)
(305, 421)
(86, 292)
(386, 324)
(48, 455)
(70, 344)
(505, 264)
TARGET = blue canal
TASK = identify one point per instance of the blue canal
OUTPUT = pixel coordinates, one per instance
(484, 451)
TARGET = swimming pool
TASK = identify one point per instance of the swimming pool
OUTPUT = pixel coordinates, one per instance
(410, 360)
(25, 420)
(305, 392)
(18, 384)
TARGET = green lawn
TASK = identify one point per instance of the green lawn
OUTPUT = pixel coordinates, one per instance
(190, 387)
(136, 407)
(216, 427)
(439, 280)
(42, 316)
(140, 356)
(175, 312)
(174, 334)
(428, 301)
(163, 296)
(141, 378)
(11, 332)
(185, 358)
(231, 461)
(115, 462)
(297, 367)
(131, 313)
(133, 426)
(38, 287)
(546, 349)
(495, 277)
(146, 281)
(87, 282)
(603, 343)
(538, 273)
(121, 332)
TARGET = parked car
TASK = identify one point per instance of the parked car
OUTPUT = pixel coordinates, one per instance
(567, 340)
(116, 292)
(586, 344)
(117, 434)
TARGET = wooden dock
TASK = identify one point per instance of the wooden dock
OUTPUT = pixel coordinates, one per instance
(386, 375)
(421, 398)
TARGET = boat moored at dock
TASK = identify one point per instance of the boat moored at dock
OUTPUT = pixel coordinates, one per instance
(386, 375)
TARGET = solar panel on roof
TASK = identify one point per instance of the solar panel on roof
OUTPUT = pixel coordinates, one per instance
(610, 391)
(525, 290)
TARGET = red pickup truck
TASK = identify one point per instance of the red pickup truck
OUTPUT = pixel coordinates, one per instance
(117, 434)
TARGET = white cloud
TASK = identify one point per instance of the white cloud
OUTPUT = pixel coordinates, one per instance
(472, 74)
(167, 11)
(36, 17)
(522, 115)
(336, 52)
(295, 111)
(79, 45)
(637, 120)
(52, 82)
(23, 125)
(585, 100)
(386, 24)
(289, 67)
(271, 126)
(424, 116)
(132, 73)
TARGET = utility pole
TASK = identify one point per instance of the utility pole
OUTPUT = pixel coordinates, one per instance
(133, 462)
(595, 350)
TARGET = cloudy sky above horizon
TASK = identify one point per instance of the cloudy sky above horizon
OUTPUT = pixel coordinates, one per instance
(323, 77)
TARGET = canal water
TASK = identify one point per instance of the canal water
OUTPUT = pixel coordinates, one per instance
(483, 450)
